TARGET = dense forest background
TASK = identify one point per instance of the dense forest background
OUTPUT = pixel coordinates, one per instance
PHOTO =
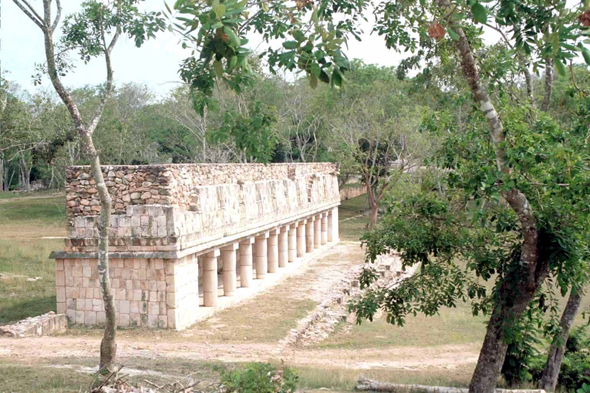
(380, 110)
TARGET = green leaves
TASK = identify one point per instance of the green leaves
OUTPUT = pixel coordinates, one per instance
(290, 44)
(480, 13)
(559, 66)
(219, 11)
(233, 37)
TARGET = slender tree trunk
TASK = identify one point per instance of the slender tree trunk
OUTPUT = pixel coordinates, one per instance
(1, 172)
(24, 173)
(528, 80)
(10, 180)
(108, 348)
(557, 349)
(548, 85)
(373, 206)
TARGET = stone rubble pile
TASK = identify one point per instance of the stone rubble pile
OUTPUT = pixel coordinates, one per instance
(322, 321)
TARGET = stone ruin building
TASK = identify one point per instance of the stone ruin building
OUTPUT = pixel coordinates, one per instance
(183, 237)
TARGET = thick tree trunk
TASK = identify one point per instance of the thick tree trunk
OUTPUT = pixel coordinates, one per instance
(557, 349)
(548, 85)
(524, 279)
(514, 297)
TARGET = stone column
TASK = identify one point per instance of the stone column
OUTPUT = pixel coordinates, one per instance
(330, 227)
(335, 234)
(246, 262)
(324, 228)
(317, 236)
(228, 257)
(292, 253)
(273, 251)
(260, 256)
(283, 246)
(309, 231)
(210, 278)
(301, 238)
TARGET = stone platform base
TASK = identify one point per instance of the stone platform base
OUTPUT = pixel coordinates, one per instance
(42, 325)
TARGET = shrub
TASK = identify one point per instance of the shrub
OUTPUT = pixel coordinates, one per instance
(259, 378)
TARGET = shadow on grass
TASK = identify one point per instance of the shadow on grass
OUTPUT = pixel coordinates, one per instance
(13, 310)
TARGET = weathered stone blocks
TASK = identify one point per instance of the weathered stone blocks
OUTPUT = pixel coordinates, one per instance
(168, 217)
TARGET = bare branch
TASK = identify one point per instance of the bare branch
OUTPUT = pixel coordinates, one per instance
(31, 13)
(501, 33)
(58, 16)
(109, 84)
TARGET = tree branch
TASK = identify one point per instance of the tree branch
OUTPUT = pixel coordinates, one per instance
(109, 84)
(58, 16)
(548, 85)
(31, 13)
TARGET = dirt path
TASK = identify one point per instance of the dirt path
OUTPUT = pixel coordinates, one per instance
(251, 331)
(404, 358)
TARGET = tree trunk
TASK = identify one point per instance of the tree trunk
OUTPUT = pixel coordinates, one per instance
(493, 351)
(528, 80)
(557, 349)
(1, 172)
(108, 347)
(373, 202)
(24, 173)
(365, 384)
(527, 274)
(548, 85)
(374, 214)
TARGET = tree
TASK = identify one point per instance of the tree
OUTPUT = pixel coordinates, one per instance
(93, 32)
(375, 130)
(538, 247)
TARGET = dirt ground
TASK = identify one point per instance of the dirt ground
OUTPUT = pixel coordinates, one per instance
(251, 331)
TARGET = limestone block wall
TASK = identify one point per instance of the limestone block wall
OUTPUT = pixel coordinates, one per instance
(150, 292)
(352, 192)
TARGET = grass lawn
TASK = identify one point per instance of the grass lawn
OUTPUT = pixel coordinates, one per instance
(24, 254)
(351, 226)
(75, 374)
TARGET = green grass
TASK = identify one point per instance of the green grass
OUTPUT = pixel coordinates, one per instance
(60, 376)
(24, 254)
(352, 207)
(32, 194)
(345, 380)
(20, 260)
(44, 211)
(454, 326)
(351, 229)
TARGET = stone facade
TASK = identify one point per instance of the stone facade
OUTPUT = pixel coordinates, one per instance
(165, 217)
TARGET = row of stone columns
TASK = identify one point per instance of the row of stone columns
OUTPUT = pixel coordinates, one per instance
(267, 251)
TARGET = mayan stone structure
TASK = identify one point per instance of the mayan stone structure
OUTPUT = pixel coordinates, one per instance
(183, 235)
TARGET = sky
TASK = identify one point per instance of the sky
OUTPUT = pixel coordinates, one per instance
(155, 64)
